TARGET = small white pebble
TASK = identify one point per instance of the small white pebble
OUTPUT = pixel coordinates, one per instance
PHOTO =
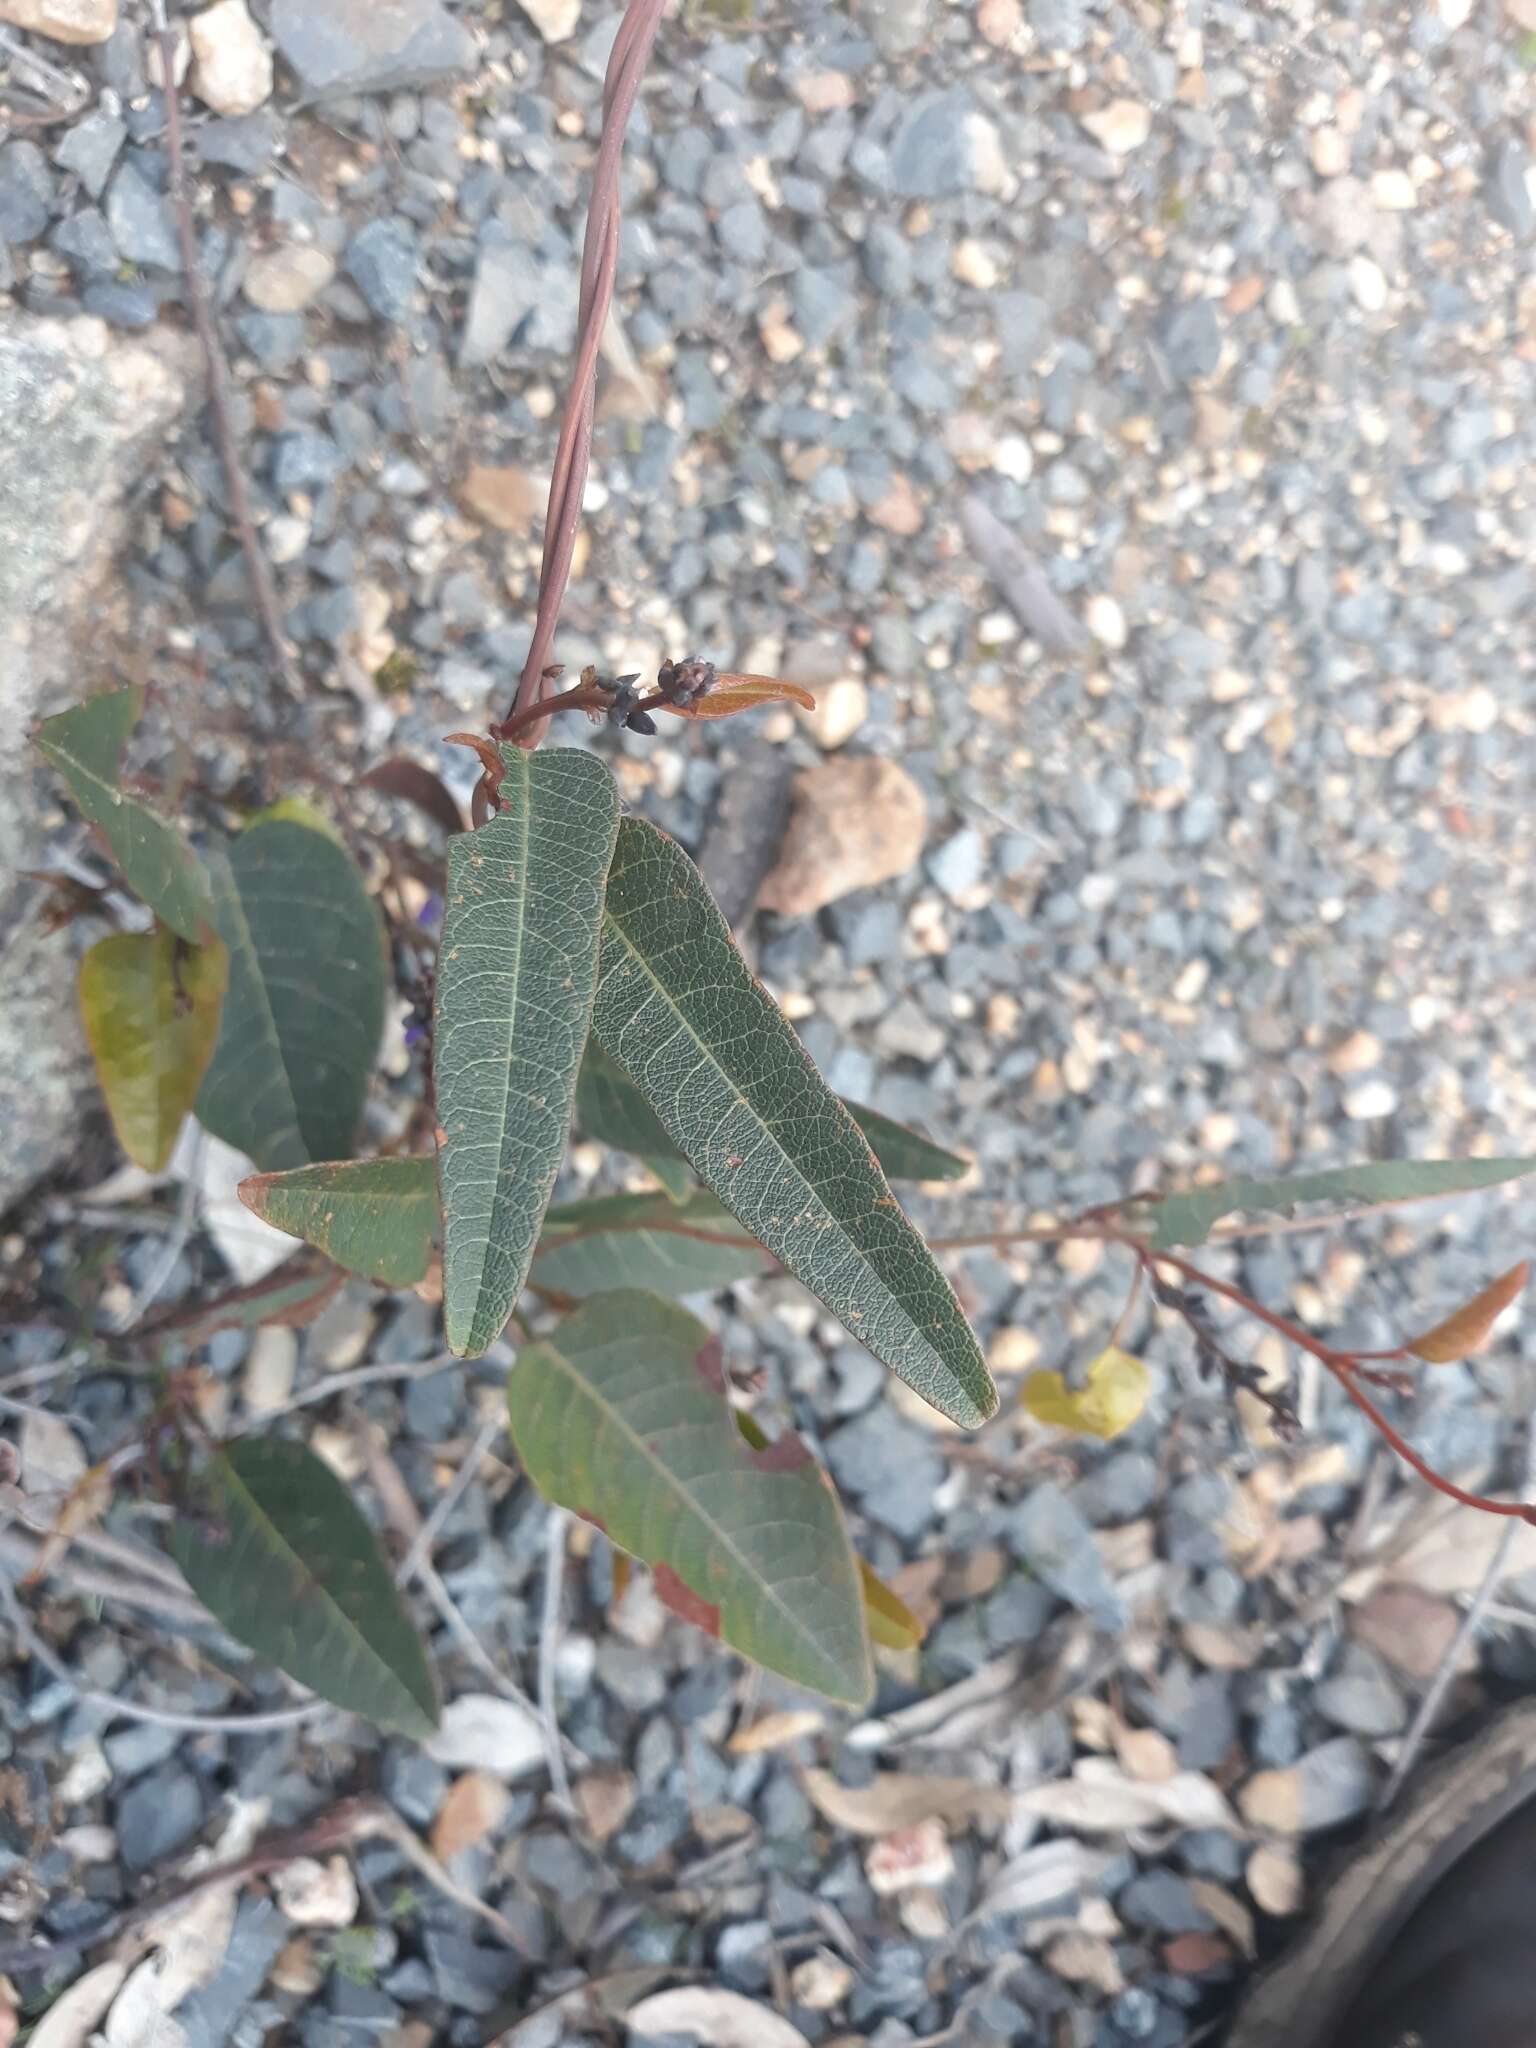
(1368, 282)
(1106, 621)
(1370, 1100)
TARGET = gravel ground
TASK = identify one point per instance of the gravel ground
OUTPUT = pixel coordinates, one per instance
(1121, 416)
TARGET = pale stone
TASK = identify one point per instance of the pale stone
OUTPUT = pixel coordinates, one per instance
(67, 21)
(1105, 621)
(286, 280)
(232, 66)
(1120, 127)
(855, 823)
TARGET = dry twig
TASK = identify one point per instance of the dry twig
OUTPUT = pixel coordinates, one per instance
(263, 589)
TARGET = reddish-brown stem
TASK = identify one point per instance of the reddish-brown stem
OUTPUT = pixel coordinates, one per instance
(1342, 1365)
(599, 265)
(1409, 1455)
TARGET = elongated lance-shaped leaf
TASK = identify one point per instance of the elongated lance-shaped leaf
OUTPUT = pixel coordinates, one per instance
(305, 1008)
(86, 744)
(150, 1003)
(905, 1154)
(294, 1295)
(621, 1416)
(736, 1093)
(1187, 1219)
(514, 998)
(281, 1556)
(376, 1217)
(610, 1107)
(648, 1241)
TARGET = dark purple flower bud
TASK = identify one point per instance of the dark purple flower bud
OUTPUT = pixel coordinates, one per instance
(685, 682)
(641, 721)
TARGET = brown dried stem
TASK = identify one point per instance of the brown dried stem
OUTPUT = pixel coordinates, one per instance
(257, 567)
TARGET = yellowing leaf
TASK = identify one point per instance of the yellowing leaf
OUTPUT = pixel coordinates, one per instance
(297, 810)
(151, 1006)
(1469, 1328)
(892, 1624)
(1115, 1394)
(733, 693)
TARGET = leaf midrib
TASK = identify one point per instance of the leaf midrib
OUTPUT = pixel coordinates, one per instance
(676, 1487)
(268, 1530)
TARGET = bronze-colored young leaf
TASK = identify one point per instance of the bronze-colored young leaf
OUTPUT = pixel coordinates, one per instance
(151, 1003)
(306, 997)
(735, 1092)
(892, 1624)
(734, 693)
(621, 1417)
(668, 1247)
(377, 1217)
(280, 1555)
(514, 1000)
(1469, 1329)
(1187, 1219)
(86, 744)
(294, 1295)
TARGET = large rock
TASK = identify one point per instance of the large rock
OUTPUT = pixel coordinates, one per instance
(67, 21)
(856, 823)
(81, 415)
(340, 47)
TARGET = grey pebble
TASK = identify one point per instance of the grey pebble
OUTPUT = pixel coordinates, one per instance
(26, 192)
(1360, 1695)
(1509, 198)
(140, 220)
(156, 1815)
(381, 261)
(357, 46)
(1337, 1784)
(1192, 341)
(957, 866)
(892, 1469)
(1049, 1535)
(90, 149)
(1161, 1902)
(1118, 1489)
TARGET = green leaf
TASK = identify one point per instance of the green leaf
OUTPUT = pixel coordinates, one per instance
(1187, 1219)
(151, 1003)
(642, 1241)
(514, 997)
(376, 1217)
(294, 1295)
(86, 744)
(611, 1108)
(306, 997)
(892, 1624)
(736, 1093)
(297, 810)
(283, 1559)
(621, 1417)
(903, 1153)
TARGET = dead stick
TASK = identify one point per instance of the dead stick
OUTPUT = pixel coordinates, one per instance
(257, 566)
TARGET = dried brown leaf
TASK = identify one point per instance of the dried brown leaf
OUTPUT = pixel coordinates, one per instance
(1229, 1913)
(475, 1807)
(776, 1731)
(722, 2018)
(894, 1800)
(1469, 1329)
